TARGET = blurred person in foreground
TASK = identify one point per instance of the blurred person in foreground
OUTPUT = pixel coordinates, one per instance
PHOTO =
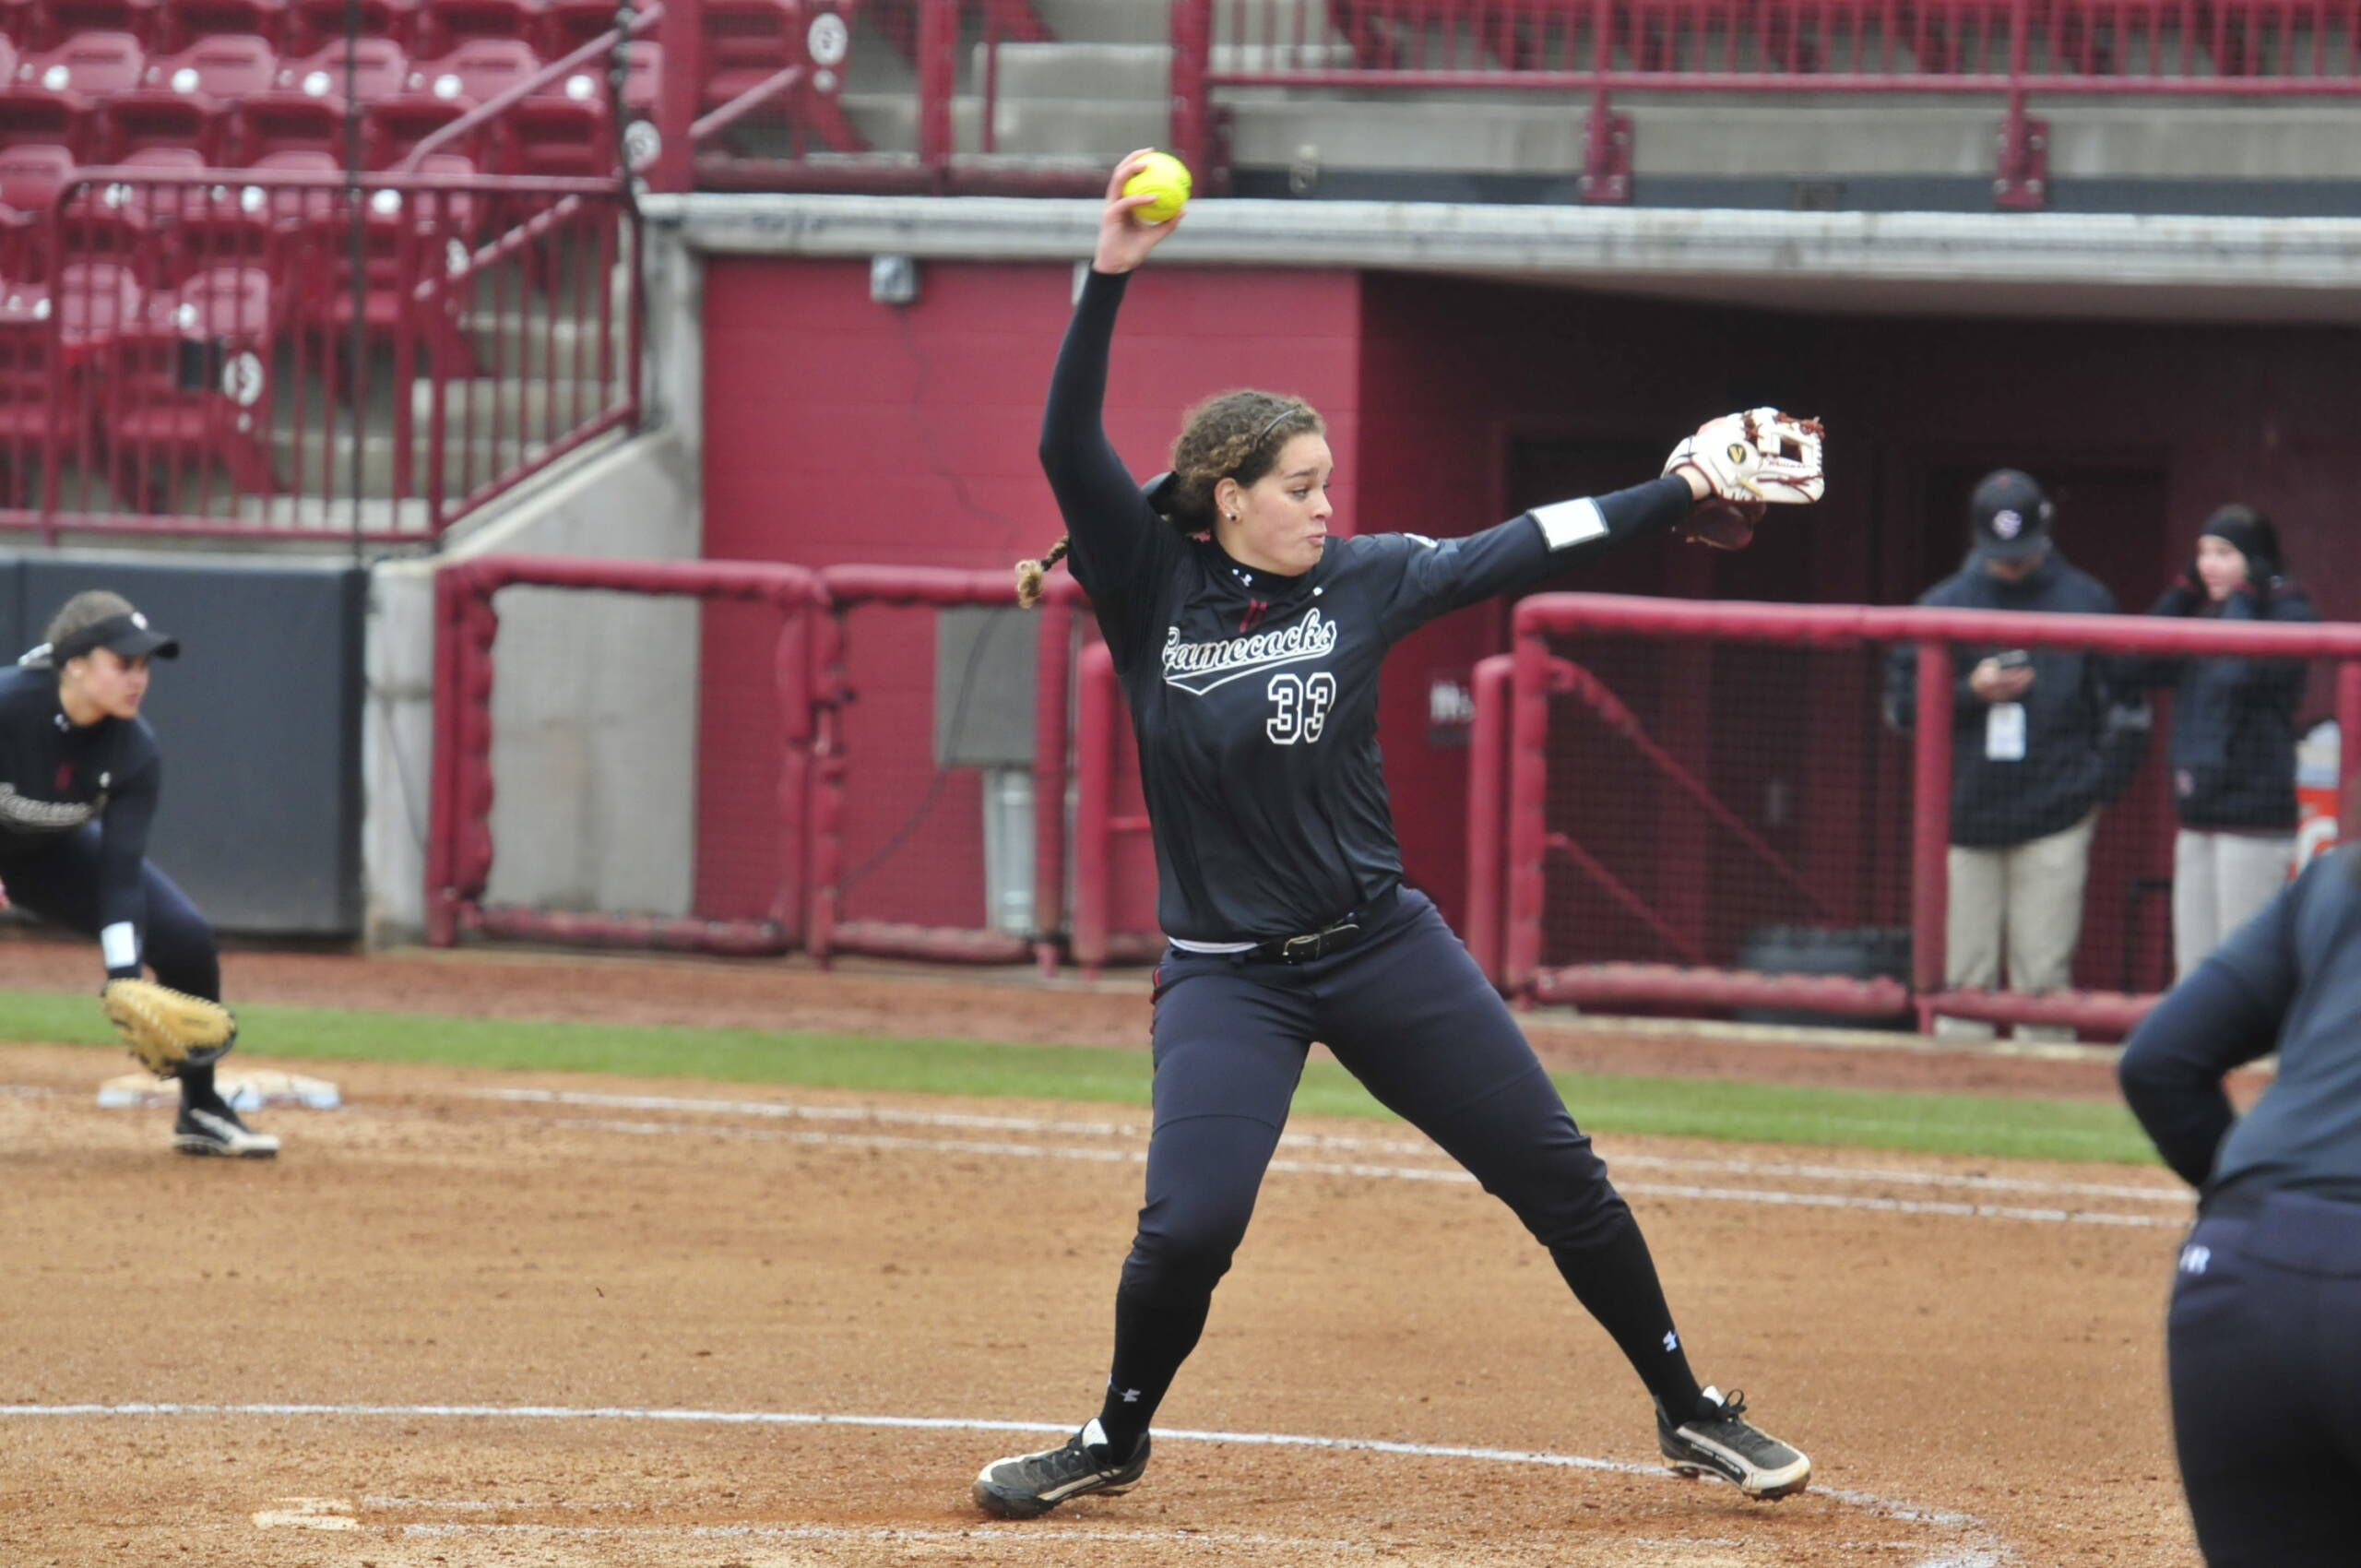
(2233, 750)
(2263, 1338)
(2028, 771)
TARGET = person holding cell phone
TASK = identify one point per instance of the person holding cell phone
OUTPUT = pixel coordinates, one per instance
(2027, 768)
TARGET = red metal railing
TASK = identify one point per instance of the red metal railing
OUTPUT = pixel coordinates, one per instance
(2007, 49)
(1509, 896)
(216, 353)
(754, 91)
(753, 98)
(821, 767)
(459, 843)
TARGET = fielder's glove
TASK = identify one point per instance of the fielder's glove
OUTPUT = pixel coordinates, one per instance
(1725, 525)
(166, 1028)
(1760, 454)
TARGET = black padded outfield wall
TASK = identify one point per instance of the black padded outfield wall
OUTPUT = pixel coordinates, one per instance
(259, 720)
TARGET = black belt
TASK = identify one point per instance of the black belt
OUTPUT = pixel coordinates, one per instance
(1328, 940)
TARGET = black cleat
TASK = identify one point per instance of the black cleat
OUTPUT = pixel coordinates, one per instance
(216, 1130)
(1025, 1485)
(1715, 1442)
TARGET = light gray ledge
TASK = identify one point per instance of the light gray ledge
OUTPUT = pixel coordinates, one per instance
(2042, 264)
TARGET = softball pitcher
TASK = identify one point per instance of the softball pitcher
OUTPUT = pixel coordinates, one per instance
(1248, 641)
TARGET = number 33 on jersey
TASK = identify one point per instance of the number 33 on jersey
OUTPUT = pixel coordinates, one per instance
(1300, 707)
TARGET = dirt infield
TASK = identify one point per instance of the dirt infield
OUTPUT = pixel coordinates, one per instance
(490, 1317)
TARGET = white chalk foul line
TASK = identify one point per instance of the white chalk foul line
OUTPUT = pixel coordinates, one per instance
(1450, 1175)
(1869, 1501)
(2171, 1194)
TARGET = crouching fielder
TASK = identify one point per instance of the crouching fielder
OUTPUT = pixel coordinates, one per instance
(79, 773)
(1248, 641)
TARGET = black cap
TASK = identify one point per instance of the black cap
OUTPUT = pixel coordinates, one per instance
(128, 636)
(2009, 516)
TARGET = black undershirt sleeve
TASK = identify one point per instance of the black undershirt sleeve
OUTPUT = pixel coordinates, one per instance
(1113, 532)
(123, 849)
(1442, 575)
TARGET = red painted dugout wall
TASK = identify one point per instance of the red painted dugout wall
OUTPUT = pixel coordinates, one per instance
(839, 430)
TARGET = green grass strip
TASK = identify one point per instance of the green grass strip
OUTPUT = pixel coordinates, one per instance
(1728, 1109)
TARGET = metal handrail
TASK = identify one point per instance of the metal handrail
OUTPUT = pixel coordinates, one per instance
(491, 108)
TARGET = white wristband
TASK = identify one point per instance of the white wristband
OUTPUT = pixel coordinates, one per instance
(119, 946)
(1568, 523)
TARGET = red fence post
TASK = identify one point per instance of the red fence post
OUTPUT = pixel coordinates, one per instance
(1528, 782)
(679, 87)
(827, 681)
(2348, 768)
(1093, 809)
(792, 668)
(1488, 757)
(938, 80)
(1930, 813)
(1052, 673)
(442, 814)
(1191, 125)
(2022, 181)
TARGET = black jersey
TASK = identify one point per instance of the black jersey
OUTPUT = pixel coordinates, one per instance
(1254, 696)
(57, 777)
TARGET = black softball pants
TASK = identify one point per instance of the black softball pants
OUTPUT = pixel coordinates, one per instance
(2264, 1341)
(59, 882)
(1409, 1014)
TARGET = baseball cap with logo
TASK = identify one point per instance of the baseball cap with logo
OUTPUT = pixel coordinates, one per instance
(2009, 516)
(128, 635)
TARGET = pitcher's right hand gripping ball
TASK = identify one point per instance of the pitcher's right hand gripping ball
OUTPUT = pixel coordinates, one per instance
(166, 1028)
(1760, 454)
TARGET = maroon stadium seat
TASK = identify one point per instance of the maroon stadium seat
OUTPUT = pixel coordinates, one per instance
(182, 22)
(563, 128)
(445, 25)
(47, 24)
(31, 177)
(54, 98)
(749, 41)
(189, 99)
(314, 25)
(306, 111)
(192, 385)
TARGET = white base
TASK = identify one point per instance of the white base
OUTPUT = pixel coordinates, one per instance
(250, 1089)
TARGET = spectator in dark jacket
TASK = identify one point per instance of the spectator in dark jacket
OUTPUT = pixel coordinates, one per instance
(2234, 735)
(2027, 772)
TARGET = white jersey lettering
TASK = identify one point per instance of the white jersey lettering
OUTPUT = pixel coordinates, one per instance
(1198, 668)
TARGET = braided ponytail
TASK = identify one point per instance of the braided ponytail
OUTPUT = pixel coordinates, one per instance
(1031, 575)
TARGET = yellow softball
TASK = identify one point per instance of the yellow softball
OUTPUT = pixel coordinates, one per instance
(1163, 177)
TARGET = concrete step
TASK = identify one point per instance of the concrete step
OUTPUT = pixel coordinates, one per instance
(1835, 136)
(1079, 73)
(483, 403)
(1086, 131)
(312, 466)
(1107, 21)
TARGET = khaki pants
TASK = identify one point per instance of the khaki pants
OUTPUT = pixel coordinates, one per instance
(2027, 898)
(2220, 880)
